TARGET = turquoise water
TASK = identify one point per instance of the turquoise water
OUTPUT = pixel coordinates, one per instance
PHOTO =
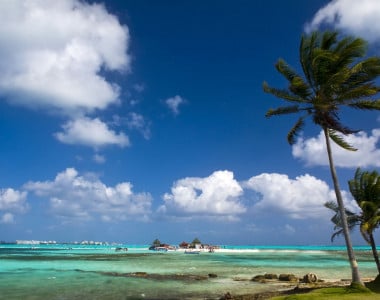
(99, 272)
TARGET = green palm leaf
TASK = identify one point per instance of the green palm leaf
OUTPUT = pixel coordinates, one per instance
(365, 104)
(293, 133)
(340, 141)
(282, 111)
(282, 94)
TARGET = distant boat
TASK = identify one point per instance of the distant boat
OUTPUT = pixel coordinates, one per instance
(192, 251)
(164, 249)
(121, 249)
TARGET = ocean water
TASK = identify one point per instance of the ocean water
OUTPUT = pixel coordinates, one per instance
(64, 271)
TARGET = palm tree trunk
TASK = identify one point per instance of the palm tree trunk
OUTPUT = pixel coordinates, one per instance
(374, 251)
(347, 237)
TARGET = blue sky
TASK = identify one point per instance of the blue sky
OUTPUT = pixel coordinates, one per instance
(126, 121)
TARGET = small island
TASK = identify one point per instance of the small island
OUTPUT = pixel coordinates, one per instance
(195, 247)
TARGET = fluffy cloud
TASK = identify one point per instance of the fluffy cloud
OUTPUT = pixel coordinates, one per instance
(299, 198)
(52, 53)
(94, 133)
(74, 197)
(213, 196)
(7, 218)
(313, 150)
(360, 18)
(174, 102)
(12, 200)
(220, 195)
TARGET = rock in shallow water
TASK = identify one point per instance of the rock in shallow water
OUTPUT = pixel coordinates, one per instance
(310, 278)
(288, 277)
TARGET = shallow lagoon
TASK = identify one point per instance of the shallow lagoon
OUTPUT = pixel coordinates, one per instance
(99, 272)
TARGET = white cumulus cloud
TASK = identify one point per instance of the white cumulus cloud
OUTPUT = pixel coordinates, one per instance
(313, 150)
(214, 196)
(80, 198)
(91, 132)
(13, 200)
(174, 102)
(360, 18)
(300, 198)
(52, 54)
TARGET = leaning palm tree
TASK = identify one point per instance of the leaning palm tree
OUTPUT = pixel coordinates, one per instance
(333, 77)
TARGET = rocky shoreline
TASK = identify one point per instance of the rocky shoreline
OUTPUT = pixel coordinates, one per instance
(294, 286)
(282, 284)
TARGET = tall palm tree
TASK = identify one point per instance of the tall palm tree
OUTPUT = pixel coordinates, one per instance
(333, 77)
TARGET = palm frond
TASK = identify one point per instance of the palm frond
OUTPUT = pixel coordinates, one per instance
(332, 205)
(282, 111)
(286, 70)
(282, 94)
(299, 87)
(328, 118)
(365, 188)
(308, 43)
(348, 49)
(352, 219)
(366, 104)
(340, 141)
(322, 63)
(366, 70)
(293, 133)
(349, 96)
(329, 39)
(365, 232)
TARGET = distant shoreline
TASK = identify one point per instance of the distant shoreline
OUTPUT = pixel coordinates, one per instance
(174, 248)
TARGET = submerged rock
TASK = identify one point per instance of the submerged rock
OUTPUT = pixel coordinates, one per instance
(258, 278)
(145, 275)
(270, 276)
(288, 277)
(139, 274)
(227, 296)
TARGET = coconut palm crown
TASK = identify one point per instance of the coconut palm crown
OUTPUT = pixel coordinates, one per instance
(333, 77)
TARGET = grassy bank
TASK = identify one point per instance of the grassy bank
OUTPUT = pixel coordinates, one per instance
(322, 290)
(345, 293)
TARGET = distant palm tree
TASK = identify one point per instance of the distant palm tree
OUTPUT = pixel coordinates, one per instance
(332, 78)
(365, 188)
(196, 241)
(353, 220)
(156, 243)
